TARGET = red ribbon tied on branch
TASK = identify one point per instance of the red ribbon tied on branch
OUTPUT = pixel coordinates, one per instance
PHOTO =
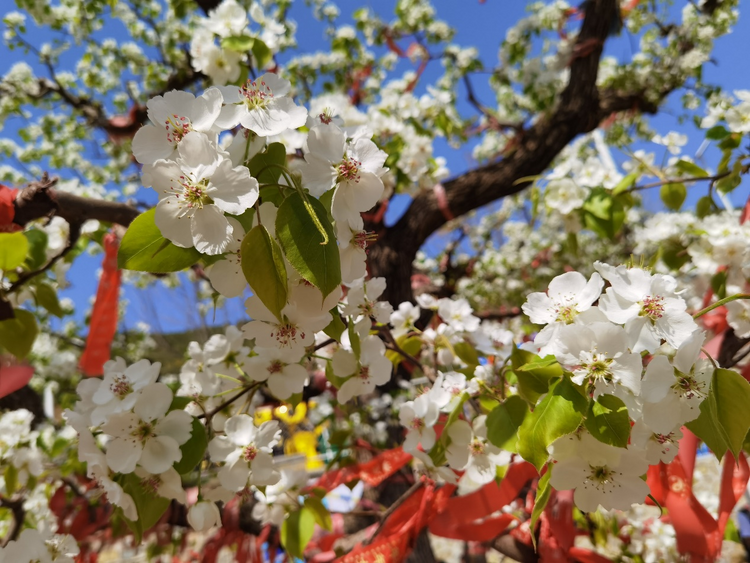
(104, 316)
(8, 210)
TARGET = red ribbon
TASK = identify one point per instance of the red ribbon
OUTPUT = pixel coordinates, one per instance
(14, 374)
(697, 533)
(373, 472)
(466, 517)
(745, 212)
(400, 531)
(8, 210)
(104, 316)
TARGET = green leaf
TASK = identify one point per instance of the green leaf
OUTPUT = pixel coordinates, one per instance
(264, 269)
(543, 490)
(297, 531)
(303, 246)
(719, 284)
(607, 420)
(673, 253)
(144, 249)
(11, 479)
(262, 54)
(193, 450)
(559, 413)
(504, 421)
(239, 43)
(37, 255)
(673, 195)
(466, 353)
(691, 169)
(17, 335)
(180, 7)
(149, 505)
(46, 296)
(266, 166)
(625, 184)
(412, 345)
(604, 213)
(336, 327)
(704, 206)
(716, 133)
(535, 376)
(354, 339)
(730, 142)
(322, 516)
(13, 249)
(725, 419)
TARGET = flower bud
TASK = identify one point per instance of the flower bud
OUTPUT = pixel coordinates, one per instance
(204, 515)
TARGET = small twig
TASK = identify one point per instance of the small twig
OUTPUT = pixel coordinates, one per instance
(680, 181)
(393, 345)
(391, 509)
(710, 357)
(721, 302)
(323, 344)
(228, 402)
(75, 233)
(494, 123)
(19, 514)
(73, 486)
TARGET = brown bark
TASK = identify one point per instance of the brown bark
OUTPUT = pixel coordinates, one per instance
(40, 199)
(580, 110)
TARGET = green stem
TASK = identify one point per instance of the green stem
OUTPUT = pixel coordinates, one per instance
(721, 302)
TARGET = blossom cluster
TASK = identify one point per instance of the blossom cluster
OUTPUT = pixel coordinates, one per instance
(126, 425)
(602, 348)
(633, 343)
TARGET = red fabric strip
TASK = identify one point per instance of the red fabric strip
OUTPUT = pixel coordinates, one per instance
(466, 517)
(104, 316)
(8, 210)
(374, 472)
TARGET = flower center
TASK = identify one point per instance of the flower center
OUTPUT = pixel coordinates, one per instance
(143, 431)
(566, 314)
(601, 476)
(361, 239)
(151, 484)
(191, 195)
(688, 386)
(286, 335)
(249, 452)
(275, 367)
(257, 95)
(121, 387)
(364, 373)
(476, 447)
(327, 116)
(418, 423)
(348, 170)
(652, 307)
(177, 127)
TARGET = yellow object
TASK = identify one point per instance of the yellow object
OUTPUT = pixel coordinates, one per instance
(304, 443)
(289, 415)
(263, 414)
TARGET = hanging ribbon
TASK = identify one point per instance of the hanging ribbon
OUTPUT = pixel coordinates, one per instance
(468, 518)
(400, 531)
(373, 472)
(697, 533)
(8, 210)
(104, 316)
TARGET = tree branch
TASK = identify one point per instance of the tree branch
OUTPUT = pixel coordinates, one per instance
(40, 199)
(580, 109)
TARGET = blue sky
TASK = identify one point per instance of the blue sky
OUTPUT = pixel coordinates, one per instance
(478, 24)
